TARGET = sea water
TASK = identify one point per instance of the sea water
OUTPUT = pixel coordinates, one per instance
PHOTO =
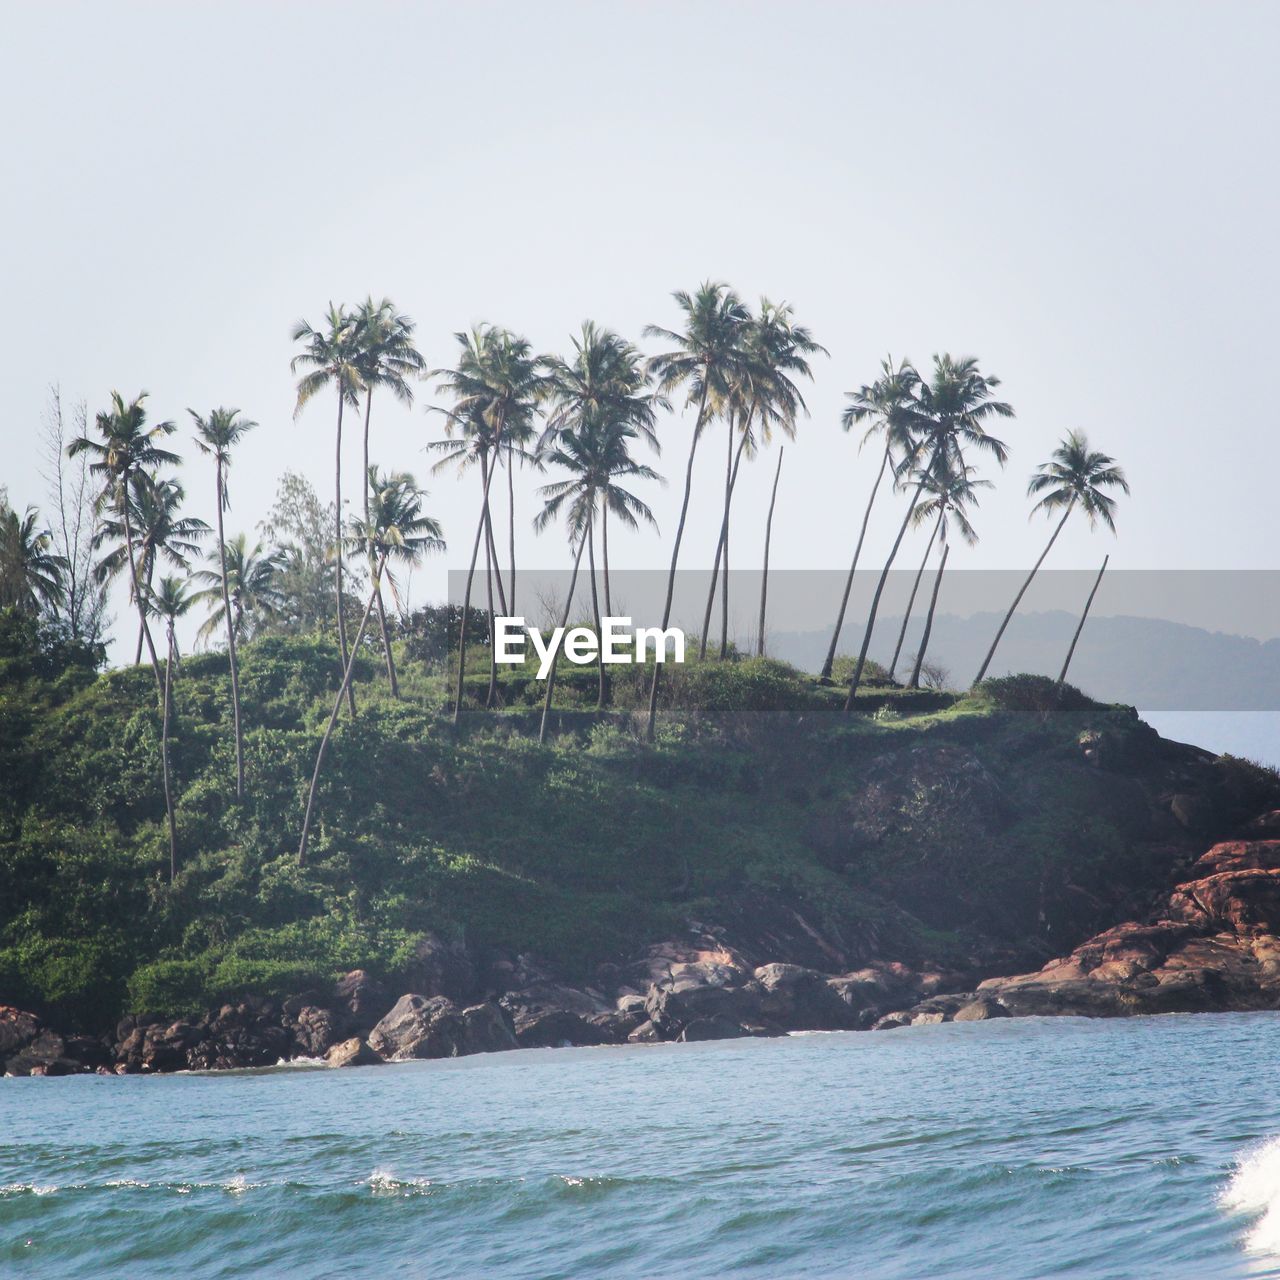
(1019, 1148)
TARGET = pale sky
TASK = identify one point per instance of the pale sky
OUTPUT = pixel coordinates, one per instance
(1084, 196)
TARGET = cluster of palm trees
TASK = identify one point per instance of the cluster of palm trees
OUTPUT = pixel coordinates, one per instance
(585, 416)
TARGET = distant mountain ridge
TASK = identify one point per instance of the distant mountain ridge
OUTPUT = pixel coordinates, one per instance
(1146, 662)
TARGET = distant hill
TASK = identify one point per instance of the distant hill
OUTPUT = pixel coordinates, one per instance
(1146, 662)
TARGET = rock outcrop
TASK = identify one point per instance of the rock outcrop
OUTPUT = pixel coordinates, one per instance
(1212, 947)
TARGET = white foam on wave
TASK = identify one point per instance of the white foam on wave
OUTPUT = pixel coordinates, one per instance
(386, 1183)
(1254, 1189)
(28, 1188)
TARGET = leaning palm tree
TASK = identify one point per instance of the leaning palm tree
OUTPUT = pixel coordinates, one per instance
(241, 589)
(495, 388)
(951, 411)
(604, 389)
(764, 571)
(400, 528)
(216, 435)
(169, 601)
(1075, 476)
(763, 395)
(887, 407)
(127, 448)
(159, 530)
(385, 357)
(416, 541)
(949, 493)
(706, 355)
(31, 572)
(597, 454)
(331, 357)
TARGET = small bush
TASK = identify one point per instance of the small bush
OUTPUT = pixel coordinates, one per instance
(1035, 695)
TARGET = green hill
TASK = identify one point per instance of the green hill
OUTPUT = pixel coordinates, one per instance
(990, 829)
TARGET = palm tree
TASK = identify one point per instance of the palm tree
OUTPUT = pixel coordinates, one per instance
(887, 406)
(1084, 617)
(914, 682)
(1075, 476)
(949, 492)
(706, 357)
(768, 534)
(241, 589)
(399, 527)
(495, 388)
(418, 536)
(158, 529)
(128, 447)
(331, 356)
(169, 601)
(597, 455)
(385, 357)
(951, 411)
(216, 435)
(31, 573)
(775, 350)
(603, 388)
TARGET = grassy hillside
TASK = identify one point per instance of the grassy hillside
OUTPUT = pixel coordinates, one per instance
(972, 829)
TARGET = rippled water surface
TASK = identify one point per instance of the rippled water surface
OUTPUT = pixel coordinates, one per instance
(1008, 1149)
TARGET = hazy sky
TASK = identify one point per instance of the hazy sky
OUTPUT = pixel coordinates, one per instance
(1084, 196)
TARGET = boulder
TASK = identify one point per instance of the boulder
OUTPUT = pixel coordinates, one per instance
(434, 1027)
(45, 1054)
(979, 1011)
(802, 999)
(548, 1014)
(17, 1029)
(672, 1008)
(362, 998)
(717, 1027)
(354, 1052)
(440, 968)
(314, 1030)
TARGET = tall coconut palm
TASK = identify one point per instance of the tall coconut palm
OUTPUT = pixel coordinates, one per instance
(764, 395)
(170, 602)
(216, 435)
(914, 682)
(31, 572)
(597, 455)
(768, 536)
(952, 409)
(398, 527)
(241, 589)
(1075, 477)
(417, 537)
(159, 530)
(385, 357)
(602, 388)
(331, 357)
(887, 408)
(127, 448)
(706, 355)
(495, 388)
(943, 499)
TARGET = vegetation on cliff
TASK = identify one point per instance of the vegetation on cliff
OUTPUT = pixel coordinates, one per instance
(995, 827)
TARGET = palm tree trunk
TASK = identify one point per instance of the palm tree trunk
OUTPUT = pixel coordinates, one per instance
(466, 598)
(875, 601)
(368, 410)
(489, 565)
(675, 554)
(724, 540)
(830, 659)
(137, 593)
(768, 534)
(333, 716)
(595, 610)
(491, 545)
(386, 647)
(1088, 604)
(604, 554)
(564, 622)
(1022, 590)
(231, 638)
(928, 622)
(721, 544)
(164, 760)
(151, 569)
(911, 599)
(511, 523)
(337, 546)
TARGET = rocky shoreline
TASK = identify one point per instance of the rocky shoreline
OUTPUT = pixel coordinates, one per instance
(1213, 945)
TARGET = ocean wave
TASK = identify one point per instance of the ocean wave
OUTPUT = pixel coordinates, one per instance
(29, 1189)
(1254, 1190)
